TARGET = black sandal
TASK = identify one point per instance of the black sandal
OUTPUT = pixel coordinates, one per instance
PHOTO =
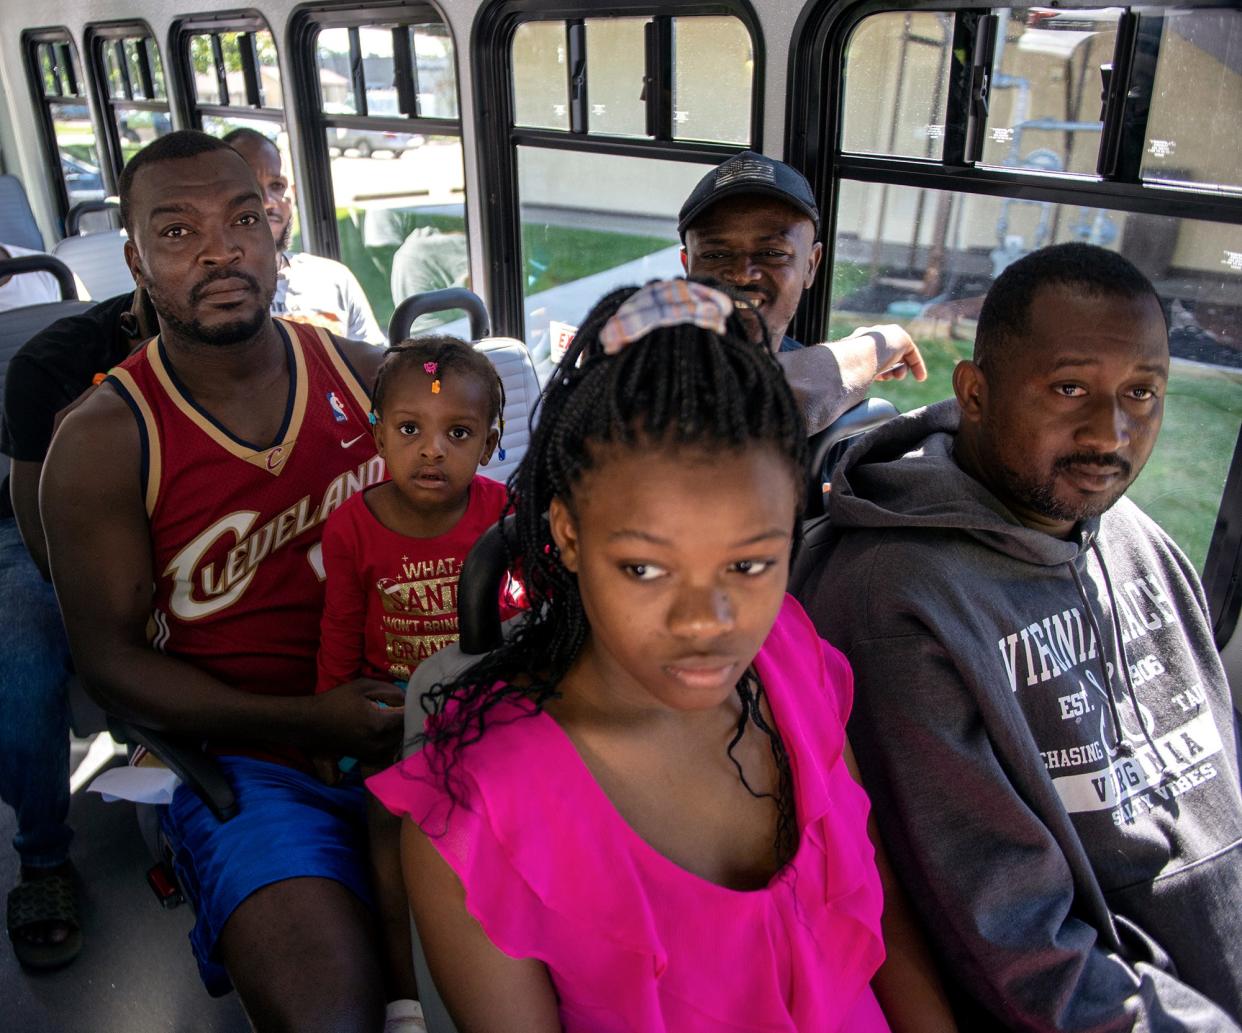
(41, 902)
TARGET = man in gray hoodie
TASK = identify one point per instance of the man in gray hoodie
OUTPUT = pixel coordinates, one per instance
(1041, 717)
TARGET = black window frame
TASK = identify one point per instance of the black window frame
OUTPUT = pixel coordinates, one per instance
(305, 23)
(499, 139)
(31, 41)
(815, 104)
(100, 35)
(190, 109)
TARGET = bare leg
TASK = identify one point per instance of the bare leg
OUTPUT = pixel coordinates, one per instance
(303, 955)
(384, 831)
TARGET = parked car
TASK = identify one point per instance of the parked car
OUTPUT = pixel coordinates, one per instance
(83, 181)
(368, 142)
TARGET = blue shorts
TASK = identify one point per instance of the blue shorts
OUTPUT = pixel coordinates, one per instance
(288, 825)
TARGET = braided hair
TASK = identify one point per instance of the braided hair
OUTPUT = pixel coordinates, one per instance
(677, 386)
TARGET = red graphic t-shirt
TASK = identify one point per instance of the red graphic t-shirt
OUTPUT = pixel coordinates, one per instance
(391, 601)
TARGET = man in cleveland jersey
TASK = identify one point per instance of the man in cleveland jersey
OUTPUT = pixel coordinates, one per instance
(183, 503)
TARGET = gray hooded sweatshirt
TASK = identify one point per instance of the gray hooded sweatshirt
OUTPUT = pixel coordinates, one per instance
(1047, 736)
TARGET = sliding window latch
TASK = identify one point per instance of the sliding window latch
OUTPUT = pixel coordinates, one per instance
(982, 57)
(1125, 96)
(576, 38)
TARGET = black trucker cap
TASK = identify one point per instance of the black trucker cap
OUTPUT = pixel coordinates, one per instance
(749, 173)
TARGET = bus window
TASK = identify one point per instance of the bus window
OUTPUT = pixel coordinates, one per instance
(231, 73)
(1192, 131)
(592, 222)
(69, 134)
(920, 243)
(230, 76)
(897, 78)
(1045, 108)
(610, 123)
(616, 107)
(129, 78)
(931, 255)
(540, 79)
(391, 139)
(712, 59)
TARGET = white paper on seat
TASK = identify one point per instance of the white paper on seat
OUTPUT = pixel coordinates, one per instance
(141, 784)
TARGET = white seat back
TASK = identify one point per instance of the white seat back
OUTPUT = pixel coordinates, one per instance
(98, 259)
(517, 373)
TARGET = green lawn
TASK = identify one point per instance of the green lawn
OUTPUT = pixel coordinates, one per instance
(373, 265)
(1181, 485)
(552, 255)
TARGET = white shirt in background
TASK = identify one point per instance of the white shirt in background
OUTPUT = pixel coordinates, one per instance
(318, 290)
(31, 288)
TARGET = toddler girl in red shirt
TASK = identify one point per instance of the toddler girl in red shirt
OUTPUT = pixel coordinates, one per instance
(393, 553)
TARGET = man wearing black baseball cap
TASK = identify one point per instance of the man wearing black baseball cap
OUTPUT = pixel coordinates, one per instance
(751, 223)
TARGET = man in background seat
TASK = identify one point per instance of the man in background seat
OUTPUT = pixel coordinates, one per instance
(1040, 714)
(309, 288)
(751, 223)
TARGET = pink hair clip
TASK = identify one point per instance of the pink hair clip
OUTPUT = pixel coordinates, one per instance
(665, 303)
(430, 369)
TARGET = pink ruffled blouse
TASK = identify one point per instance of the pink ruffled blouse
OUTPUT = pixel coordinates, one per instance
(632, 941)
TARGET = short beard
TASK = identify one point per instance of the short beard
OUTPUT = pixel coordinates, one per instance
(286, 235)
(220, 335)
(1040, 496)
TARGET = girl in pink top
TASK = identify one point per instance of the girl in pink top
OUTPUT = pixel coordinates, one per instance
(638, 814)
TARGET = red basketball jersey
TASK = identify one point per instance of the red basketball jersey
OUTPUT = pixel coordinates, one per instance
(235, 526)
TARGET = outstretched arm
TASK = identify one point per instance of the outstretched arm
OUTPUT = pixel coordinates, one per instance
(100, 552)
(828, 379)
(485, 990)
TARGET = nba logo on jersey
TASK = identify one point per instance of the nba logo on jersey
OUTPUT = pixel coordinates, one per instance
(338, 410)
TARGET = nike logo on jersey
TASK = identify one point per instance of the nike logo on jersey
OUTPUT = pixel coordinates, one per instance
(346, 444)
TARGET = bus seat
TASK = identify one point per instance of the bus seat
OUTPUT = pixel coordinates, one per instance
(517, 372)
(94, 216)
(18, 325)
(447, 663)
(826, 448)
(17, 221)
(828, 445)
(98, 259)
(445, 300)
